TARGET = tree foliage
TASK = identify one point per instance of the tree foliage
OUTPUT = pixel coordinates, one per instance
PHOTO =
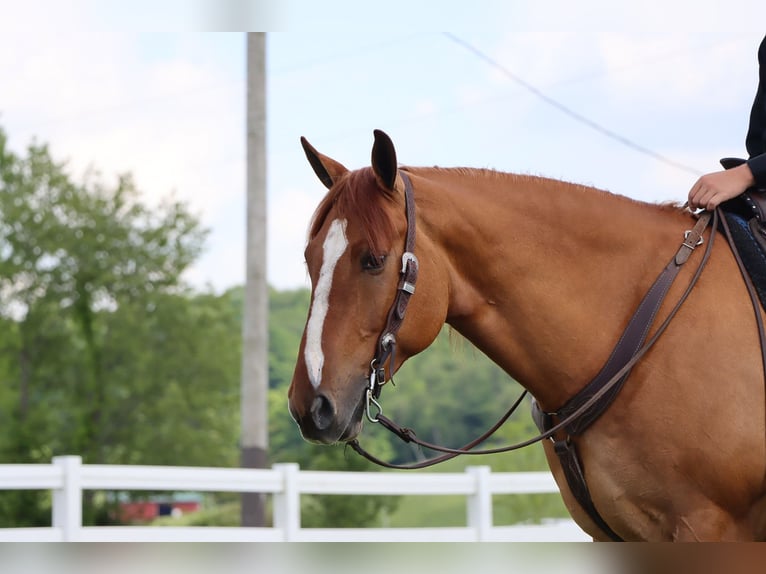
(106, 353)
(73, 258)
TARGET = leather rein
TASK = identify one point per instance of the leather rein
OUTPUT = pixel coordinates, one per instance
(586, 406)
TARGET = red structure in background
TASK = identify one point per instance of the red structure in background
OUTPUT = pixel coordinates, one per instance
(146, 511)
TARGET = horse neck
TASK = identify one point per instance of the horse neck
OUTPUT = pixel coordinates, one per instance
(543, 275)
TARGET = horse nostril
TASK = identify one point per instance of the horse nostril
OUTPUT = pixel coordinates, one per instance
(322, 412)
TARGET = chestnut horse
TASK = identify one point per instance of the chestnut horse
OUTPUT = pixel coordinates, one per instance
(543, 277)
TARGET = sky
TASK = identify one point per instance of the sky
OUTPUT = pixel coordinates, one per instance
(636, 97)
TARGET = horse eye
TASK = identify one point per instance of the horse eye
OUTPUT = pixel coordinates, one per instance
(373, 263)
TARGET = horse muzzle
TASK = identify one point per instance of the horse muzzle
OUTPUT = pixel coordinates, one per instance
(327, 422)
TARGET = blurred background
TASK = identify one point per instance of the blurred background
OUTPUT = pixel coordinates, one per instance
(122, 202)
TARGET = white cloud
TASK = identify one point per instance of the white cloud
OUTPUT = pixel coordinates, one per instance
(289, 214)
(679, 71)
(175, 122)
(426, 107)
(540, 58)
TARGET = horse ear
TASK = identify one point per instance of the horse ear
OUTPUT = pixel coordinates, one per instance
(327, 169)
(384, 160)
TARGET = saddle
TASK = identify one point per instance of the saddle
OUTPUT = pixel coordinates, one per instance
(746, 216)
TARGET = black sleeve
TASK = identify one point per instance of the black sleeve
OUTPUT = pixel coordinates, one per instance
(756, 134)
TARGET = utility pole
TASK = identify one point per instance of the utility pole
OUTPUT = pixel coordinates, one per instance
(255, 373)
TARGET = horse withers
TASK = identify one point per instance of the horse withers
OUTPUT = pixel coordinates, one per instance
(543, 276)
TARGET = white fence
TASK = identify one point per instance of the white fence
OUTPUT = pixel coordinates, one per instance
(67, 477)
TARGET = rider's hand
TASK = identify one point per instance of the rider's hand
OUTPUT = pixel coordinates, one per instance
(714, 188)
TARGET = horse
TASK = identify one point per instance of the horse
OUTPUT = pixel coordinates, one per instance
(543, 276)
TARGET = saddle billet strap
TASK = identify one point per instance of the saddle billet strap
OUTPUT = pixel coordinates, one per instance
(751, 292)
(755, 200)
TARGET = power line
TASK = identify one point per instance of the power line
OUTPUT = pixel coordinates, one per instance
(569, 111)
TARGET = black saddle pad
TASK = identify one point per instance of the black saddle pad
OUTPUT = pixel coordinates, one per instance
(751, 253)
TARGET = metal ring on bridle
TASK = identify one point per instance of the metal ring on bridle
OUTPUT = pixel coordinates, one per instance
(371, 399)
(373, 375)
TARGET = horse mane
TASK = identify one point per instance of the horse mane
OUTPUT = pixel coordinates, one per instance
(490, 174)
(357, 196)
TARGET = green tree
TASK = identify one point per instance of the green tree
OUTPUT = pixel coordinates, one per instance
(91, 293)
(80, 249)
(172, 396)
(104, 352)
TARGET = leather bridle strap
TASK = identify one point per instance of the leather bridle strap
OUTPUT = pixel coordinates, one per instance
(408, 276)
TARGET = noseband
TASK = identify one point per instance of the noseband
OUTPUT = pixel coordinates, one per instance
(408, 276)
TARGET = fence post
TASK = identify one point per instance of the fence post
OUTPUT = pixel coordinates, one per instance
(480, 503)
(287, 504)
(67, 500)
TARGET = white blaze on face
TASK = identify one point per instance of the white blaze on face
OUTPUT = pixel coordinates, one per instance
(334, 246)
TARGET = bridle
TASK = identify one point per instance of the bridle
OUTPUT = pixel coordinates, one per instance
(408, 276)
(596, 399)
(386, 351)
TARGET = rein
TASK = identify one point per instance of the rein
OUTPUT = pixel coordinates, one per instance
(588, 405)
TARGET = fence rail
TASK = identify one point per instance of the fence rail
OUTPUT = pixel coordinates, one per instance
(67, 478)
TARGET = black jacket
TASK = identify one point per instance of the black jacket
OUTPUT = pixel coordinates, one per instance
(756, 134)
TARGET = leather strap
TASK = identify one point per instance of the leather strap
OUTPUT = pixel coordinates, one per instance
(632, 337)
(627, 346)
(751, 292)
(408, 276)
(570, 462)
(408, 435)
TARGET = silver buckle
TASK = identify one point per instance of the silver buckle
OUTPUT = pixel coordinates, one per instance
(406, 258)
(700, 241)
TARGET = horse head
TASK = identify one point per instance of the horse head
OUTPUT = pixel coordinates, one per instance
(354, 252)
